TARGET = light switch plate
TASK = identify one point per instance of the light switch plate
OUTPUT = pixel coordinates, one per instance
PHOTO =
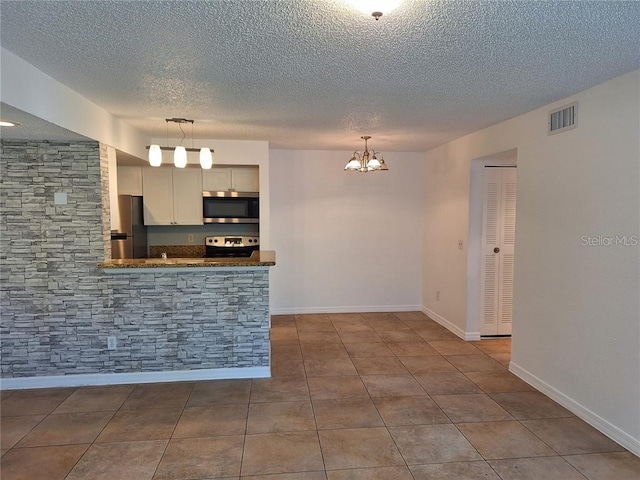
(60, 198)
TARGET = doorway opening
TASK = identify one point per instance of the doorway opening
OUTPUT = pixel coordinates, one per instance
(489, 257)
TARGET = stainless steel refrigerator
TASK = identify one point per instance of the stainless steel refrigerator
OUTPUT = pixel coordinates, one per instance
(129, 240)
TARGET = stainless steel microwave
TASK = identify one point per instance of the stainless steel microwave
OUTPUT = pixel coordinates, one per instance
(231, 207)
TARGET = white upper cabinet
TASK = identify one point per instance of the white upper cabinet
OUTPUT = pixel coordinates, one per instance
(187, 196)
(216, 180)
(245, 179)
(157, 196)
(129, 180)
(172, 196)
(223, 179)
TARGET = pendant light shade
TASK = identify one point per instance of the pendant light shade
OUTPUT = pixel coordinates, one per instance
(155, 156)
(206, 159)
(354, 163)
(374, 164)
(180, 157)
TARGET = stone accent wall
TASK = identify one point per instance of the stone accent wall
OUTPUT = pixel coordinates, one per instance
(57, 308)
(187, 320)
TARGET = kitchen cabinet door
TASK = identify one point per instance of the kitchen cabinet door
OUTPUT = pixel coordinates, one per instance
(216, 180)
(129, 180)
(157, 195)
(224, 179)
(172, 196)
(187, 196)
(245, 179)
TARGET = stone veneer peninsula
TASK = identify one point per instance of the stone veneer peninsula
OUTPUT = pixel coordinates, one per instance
(174, 319)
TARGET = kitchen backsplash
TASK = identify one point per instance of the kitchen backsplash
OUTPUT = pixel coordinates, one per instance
(177, 251)
(181, 234)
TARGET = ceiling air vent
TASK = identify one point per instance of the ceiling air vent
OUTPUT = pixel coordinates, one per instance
(563, 118)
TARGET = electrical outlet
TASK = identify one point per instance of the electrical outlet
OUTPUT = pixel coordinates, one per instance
(460, 244)
(190, 238)
(112, 343)
(438, 295)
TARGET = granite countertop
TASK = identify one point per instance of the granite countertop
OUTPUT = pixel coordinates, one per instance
(262, 258)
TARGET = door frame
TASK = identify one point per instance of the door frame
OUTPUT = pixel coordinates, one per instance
(507, 158)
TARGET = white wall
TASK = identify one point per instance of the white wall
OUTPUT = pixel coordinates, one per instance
(576, 308)
(345, 241)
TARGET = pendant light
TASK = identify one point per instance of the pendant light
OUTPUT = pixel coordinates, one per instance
(180, 157)
(367, 161)
(180, 152)
(155, 156)
(206, 159)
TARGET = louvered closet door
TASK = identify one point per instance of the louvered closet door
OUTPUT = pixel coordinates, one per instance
(498, 238)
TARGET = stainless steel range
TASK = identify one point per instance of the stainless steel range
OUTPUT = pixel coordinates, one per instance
(230, 246)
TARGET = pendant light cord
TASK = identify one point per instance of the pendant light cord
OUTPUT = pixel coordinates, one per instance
(182, 131)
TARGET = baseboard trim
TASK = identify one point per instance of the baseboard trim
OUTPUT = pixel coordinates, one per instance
(134, 377)
(614, 433)
(360, 309)
(468, 336)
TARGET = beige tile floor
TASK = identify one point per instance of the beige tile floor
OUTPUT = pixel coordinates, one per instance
(353, 396)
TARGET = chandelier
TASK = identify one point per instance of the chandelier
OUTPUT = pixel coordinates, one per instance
(367, 161)
(179, 152)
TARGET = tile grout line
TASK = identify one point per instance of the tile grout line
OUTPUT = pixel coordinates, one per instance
(246, 429)
(313, 411)
(166, 447)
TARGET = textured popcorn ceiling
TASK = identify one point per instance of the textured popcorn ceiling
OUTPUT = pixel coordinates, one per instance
(318, 74)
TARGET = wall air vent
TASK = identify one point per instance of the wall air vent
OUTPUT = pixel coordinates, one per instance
(563, 118)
